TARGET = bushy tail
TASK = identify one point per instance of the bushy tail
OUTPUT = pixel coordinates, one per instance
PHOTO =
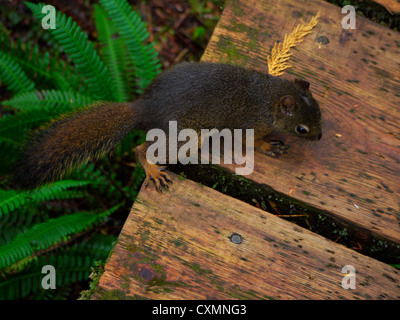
(73, 139)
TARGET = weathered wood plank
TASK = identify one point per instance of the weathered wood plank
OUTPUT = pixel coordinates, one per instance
(178, 245)
(353, 173)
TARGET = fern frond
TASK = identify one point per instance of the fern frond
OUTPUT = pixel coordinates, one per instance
(81, 52)
(99, 246)
(280, 53)
(58, 101)
(12, 133)
(134, 33)
(13, 76)
(11, 200)
(112, 53)
(44, 235)
(12, 127)
(46, 71)
(27, 56)
(38, 107)
(71, 264)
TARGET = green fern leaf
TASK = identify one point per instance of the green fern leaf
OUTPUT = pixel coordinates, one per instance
(39, 107)
(81, 52)
(13, 128)
(71, 264)
(134, 33)
(59, 101)
(112, 53)
(11, 200)
(12, 75)
(43, 235)
(47, 71)
(12, 134)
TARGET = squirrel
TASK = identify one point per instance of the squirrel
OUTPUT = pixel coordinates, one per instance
(197, 95)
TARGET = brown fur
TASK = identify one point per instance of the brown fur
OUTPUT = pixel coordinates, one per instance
(88, 134)
(196, 95)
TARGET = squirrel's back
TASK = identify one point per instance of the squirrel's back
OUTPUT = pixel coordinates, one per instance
(191, 92)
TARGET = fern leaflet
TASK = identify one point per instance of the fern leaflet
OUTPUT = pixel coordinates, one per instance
(60, 101)
(112, 52)
(13, 76)
(71, 264)
(81, 51)
(134, 32)
(43, 235)
(11, 200)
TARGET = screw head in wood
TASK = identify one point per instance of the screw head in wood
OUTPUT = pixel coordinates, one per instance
(236, 238)
(322, 40)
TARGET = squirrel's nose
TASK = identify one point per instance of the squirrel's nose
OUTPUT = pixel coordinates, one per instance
(316, 137)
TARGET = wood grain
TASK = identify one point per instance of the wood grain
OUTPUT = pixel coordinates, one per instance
(353, 173)
(178, 245)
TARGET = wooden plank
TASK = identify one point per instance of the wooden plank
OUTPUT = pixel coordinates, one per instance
(180, 245)
(353, 173)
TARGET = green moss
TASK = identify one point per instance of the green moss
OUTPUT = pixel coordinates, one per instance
(144, 235)
(179, 242)
(103, 294)
(230, 52)
(237, 8)
(160, 285)
(181, 176)
(198, 269)
(96, 272)
(110, 295)
(125, 283)
(353, 81)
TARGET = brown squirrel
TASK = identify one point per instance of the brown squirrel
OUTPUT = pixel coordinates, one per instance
(197, 96)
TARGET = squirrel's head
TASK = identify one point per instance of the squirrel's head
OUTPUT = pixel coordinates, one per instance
(298, 113)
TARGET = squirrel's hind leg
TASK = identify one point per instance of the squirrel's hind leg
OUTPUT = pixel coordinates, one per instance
(153, 172)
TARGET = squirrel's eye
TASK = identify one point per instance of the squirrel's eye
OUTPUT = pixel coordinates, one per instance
(302, 129)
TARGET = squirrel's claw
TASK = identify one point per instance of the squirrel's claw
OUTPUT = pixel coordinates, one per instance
(272, 148)
(277, 148)
(157, 176)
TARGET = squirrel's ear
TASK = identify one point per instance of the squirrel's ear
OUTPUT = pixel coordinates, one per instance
(287, 105)
(303, 84)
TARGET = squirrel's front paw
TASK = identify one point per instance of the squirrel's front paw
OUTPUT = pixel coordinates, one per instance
(158, 176)
(272, 148)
